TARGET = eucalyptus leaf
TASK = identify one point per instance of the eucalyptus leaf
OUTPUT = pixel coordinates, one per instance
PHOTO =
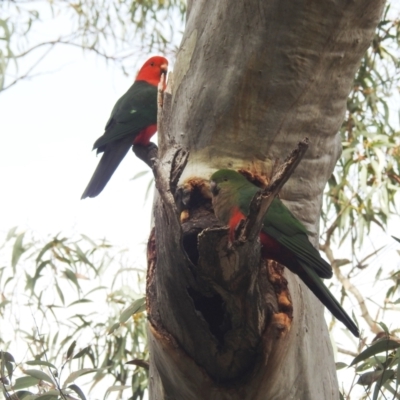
(25, 382)
(382, 345)
(138, 305)
(38, 374)
(41, 363)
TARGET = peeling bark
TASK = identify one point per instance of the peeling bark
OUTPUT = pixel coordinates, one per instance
(251, 79)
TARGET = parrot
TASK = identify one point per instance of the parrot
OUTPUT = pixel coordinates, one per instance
(283, 237)
(133, 121)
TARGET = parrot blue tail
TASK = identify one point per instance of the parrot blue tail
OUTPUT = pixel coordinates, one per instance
(112, 156)
(315, 284)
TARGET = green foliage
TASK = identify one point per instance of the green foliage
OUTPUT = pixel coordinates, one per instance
(83, 313)
(378, 368)
(115, 30)
(363, 188)
(361, 198)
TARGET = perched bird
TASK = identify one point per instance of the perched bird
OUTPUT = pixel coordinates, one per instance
(283, 237)
(133, 121)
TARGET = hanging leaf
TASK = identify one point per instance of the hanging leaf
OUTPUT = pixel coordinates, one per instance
(36, 373)
(42, 363)
(379, 346)
(139, 175)
(395, 238)
(138, 305)
(50, 395)
(341, 365)
(21, 394)
(77, 390)
(11, 232)
(72, 277)
(18, 250)
(77, 374)
(82, 352)
(71, 349)
(386, 375)
(25, 382)
(113, 328)
(369, 378)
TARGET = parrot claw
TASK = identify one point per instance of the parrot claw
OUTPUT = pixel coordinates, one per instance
(148, 153)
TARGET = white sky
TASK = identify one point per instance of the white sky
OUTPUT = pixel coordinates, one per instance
(48, 127)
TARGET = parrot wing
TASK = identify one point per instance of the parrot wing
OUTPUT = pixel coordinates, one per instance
(284, 227)
(133, 112)
(304, 251)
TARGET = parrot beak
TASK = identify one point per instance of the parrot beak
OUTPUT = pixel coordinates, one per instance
(214, 188)
(164, 68)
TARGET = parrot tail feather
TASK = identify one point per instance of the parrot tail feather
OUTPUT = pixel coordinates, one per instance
(315, 284)
(111, 158)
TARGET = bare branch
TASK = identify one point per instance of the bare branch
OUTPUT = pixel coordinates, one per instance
(26, 75)
(263, 199)
(348, 352)
(65, 41)
(352, 289)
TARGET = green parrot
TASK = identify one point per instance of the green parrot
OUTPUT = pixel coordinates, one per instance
(133, 121)
(283, 237)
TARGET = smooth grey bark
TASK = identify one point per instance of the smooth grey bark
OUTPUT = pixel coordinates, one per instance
(252, 78)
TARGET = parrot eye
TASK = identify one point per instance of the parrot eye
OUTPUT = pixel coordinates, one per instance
(225, 179)
(152, 64)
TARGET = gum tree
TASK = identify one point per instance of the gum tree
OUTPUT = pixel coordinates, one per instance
(251, 80)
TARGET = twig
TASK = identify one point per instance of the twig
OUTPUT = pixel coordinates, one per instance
(351, 288)
(348, 352)
(58, 378)
(24, 76)
(263, 199)
(52, 43)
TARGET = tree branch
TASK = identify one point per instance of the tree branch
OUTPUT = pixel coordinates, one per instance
(347, 352)
(263, 199)
(352, 289)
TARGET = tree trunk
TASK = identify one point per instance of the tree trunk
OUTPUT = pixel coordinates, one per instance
(251, 79)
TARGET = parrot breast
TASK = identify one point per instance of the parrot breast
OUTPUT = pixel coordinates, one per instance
(143, 138)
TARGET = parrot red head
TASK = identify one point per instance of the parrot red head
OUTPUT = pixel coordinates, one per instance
(152, 70)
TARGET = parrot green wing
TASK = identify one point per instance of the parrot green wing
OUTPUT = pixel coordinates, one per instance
(133, 112)
(284, 227)
(304, 251)
(231, 191)
(278, 215)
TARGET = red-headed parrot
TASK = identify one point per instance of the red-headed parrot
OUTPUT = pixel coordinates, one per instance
(133, 121)
(283, 237)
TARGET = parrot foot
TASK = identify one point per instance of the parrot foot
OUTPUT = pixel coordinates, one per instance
(148, 153)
